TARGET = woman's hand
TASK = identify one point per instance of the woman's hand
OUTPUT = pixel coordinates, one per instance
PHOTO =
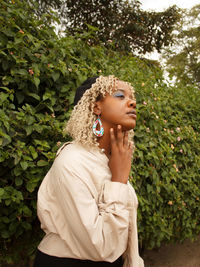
(121, 155)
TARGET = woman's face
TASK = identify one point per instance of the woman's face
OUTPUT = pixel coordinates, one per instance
(119, 108)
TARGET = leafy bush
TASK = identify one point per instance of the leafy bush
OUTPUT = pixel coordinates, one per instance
(38, 75)
(167, 163)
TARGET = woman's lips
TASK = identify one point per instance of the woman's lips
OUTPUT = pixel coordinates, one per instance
(132, 114)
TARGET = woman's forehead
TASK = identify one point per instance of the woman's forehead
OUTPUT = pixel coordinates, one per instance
(123, 86)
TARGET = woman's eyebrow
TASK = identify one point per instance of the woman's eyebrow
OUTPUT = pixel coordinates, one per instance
(119, 89)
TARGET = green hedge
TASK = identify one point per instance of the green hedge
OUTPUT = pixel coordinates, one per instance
(38, 75)
(166, 165)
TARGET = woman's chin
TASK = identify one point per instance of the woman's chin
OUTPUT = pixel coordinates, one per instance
(128, 127)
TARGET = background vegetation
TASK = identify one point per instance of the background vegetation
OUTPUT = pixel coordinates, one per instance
(183, 61)
(123, 22)
(39, 72)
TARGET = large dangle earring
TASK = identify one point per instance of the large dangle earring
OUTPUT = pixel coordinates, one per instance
(100, 132)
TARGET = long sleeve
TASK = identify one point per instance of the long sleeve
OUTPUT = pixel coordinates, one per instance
(100, 230)
(89, 225)
(83, 214)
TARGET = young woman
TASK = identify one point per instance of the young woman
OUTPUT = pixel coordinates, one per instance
(86, 206)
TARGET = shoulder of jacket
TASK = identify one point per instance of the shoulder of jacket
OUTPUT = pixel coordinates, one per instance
(71, 153)
(62, 147)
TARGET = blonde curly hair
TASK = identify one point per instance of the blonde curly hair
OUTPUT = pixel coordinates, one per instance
(79, 125)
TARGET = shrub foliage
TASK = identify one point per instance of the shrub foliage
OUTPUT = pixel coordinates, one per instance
(38, 75)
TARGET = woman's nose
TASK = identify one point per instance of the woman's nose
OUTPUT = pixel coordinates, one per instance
(132, 103)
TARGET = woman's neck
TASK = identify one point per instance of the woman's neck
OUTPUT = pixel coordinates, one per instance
(104, 143)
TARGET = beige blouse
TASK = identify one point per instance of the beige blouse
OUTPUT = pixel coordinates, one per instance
(83, 214)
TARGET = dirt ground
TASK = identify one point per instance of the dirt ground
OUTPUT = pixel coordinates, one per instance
(186, 254)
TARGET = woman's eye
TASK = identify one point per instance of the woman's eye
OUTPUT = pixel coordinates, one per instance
(118, 94)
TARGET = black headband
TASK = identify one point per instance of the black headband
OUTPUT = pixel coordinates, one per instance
(84, 86)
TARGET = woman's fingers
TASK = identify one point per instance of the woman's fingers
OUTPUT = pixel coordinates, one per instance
(119, 140)
(119, 136)
(131, 148)
(112, 138)
(121, 154)
(125, 139)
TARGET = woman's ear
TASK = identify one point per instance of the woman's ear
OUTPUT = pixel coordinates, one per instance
(97, 108)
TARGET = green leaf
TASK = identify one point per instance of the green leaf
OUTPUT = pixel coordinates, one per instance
(55, 76)
(17, 170)
(5, 234)
(39, 128)
(27, 212)
(13, 226)
(17, 159)
(22, 72)
(20, 97)
(3, 96)
(18, 181)
(65, 88)
(33, 152)
(3, 53)
(24, 165)
(5, 88)
(30, 186)
(7, 202)
(6, 141)
(5, 65)
(36, 81)
(5, 219)
(41, 163)
(35, 96)
(149, 188)
(26, 225)
(29, 129)
(1, 192)
(18, 41)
